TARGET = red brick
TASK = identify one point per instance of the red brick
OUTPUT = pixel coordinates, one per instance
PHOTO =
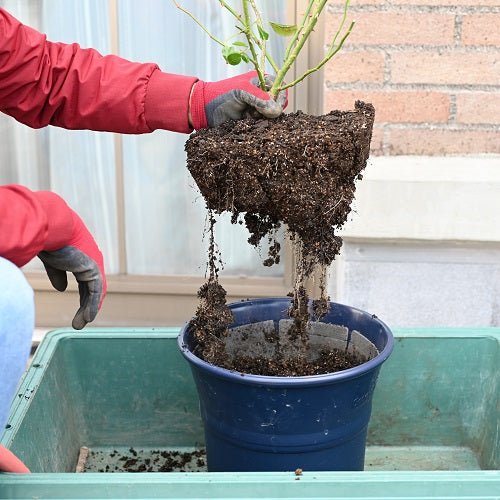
(436, 142)
(483, 107)
(377, 142)
(338, 4)
(388, 28)
(455, 68)
(356, 67)
(481, 29)
(395, 107)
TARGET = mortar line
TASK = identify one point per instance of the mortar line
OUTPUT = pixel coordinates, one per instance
(418, 9)
(452, 120)
(412, 87)
(460, 49)
(458, 30)
(446, 126)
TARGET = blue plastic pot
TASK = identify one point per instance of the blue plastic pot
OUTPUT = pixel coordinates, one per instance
(266, 423)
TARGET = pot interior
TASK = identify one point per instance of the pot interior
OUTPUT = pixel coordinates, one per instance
(262, 340)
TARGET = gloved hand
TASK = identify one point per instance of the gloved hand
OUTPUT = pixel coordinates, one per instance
(10, 463)
(82, 257)
(212, 103)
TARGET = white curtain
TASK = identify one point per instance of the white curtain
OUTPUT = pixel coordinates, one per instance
(164, 212)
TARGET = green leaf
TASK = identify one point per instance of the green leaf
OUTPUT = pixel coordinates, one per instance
(241, 44)
(231, 55)
(263, 34)
(245, 58)
(234, 59)
(284, 29)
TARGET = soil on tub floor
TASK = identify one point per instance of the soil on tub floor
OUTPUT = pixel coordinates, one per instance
(145, 460)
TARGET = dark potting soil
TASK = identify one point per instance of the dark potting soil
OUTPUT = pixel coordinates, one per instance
(137, 460)
(327, 362)
(298, 170)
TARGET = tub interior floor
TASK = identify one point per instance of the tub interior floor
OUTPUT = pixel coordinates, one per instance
(387, 458)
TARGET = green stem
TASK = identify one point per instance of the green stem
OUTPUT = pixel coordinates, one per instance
(299, 30)
(232, 11)
(198, 23)
(238, 17)
(330, 54)
(262, 41)
(344, 17)
(248, 33)
(297, 48)
(293, 48)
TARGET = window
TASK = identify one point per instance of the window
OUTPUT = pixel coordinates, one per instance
(134, 192)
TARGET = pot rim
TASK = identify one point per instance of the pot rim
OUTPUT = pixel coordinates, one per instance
(272, 380)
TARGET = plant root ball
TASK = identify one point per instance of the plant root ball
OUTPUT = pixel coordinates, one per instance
(297, 169)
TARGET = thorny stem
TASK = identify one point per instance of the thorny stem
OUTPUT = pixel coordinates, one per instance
(198, 23)
(232, 11)
(305, 28)
(301, 40)
(332, 50)
(299, 31)
(254, 39)
(247, 31)
(322, 63)
(263, 41)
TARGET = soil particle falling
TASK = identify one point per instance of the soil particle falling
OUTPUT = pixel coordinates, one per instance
(298, 170)
(213, 316)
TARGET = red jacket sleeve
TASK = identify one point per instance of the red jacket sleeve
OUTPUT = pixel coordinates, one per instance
(31, 222)
(45, 83)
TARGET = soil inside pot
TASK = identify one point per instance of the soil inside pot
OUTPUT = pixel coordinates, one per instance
(298, 170)
(299, 366)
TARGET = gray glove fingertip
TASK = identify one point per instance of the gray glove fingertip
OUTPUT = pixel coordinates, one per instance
(94, 290)
(269, 108)
(90, 297)
(58, 278)
(268, 79)
(79, 321)
(281, 100)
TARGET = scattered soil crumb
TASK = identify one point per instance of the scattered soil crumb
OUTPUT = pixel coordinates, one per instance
(148, 461)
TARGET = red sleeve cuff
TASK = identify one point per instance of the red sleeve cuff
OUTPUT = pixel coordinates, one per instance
(167, 101)
(198, 115)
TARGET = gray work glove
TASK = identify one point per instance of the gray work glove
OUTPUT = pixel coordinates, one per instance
(213, 103)
(82, 257)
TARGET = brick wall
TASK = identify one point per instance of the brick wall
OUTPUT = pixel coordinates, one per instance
(431, 68)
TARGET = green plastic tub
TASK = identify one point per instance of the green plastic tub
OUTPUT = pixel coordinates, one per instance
(105, 398)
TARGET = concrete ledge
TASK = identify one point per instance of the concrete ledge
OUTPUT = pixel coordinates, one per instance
(428, 198)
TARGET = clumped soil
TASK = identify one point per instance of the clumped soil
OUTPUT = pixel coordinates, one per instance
(298, 170)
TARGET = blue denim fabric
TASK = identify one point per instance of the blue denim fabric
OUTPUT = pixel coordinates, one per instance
(17, 320)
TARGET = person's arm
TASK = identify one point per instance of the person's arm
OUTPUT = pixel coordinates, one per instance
(40, 223)
(45, 83)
